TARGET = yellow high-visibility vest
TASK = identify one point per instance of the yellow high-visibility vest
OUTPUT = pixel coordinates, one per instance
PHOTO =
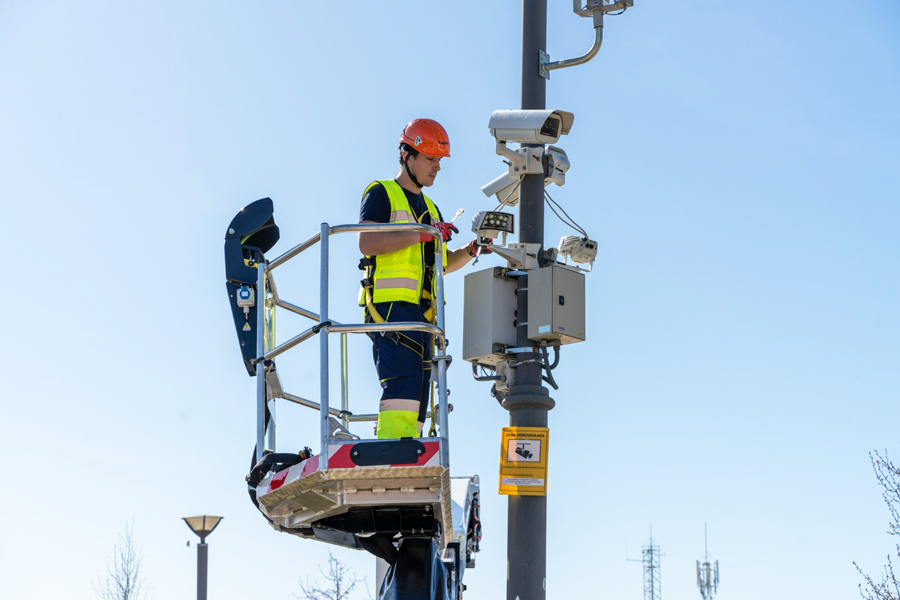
(399, 275)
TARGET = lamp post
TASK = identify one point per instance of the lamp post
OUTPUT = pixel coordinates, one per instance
(202, 525)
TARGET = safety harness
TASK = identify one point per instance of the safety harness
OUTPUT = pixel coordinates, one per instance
(373, 316)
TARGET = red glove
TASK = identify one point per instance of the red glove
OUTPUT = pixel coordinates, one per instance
(484, 244)
(444, 228)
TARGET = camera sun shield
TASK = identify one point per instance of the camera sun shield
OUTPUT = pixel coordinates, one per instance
(530, 126)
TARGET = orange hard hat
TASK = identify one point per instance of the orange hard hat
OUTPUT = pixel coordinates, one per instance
(426, 136)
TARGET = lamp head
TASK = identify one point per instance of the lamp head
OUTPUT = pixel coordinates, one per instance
(202, 525)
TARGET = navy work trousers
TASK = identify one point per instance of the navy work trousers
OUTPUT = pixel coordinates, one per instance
(403, 358)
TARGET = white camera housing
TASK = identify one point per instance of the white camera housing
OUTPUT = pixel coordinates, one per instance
(530, 126)
(507, 188)
(556, 163)
(581, 249)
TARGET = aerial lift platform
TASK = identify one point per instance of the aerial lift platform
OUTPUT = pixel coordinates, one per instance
(394, 498)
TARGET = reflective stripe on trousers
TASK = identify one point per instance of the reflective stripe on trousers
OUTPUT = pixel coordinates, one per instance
(398, 422)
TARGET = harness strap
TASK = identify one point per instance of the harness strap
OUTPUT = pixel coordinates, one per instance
(395, 336)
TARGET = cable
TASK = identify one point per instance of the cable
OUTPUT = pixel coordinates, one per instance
(567, 220)
(570, 222)
(572, 225)
(555, 358)
(514, 188)
(546, 366)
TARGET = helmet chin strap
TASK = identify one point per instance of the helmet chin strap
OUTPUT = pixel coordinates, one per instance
(410, 173)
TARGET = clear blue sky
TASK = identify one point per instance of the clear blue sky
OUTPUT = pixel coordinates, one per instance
(739, 164)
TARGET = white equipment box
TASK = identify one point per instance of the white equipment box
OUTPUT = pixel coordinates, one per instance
(490, 315)
(555, 305)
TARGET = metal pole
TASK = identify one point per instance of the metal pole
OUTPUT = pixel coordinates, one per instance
(345, 391)
(260, 351)
(323, 345)
(439, 361)
(529, 401)
(202, 565)
(269, 336)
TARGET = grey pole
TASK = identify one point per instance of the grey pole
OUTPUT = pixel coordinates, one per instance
(202, 525)
(260, 369)
(529, 401)
(324, 240)
(202, 562)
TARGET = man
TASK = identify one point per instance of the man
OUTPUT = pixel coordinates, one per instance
(399, 282)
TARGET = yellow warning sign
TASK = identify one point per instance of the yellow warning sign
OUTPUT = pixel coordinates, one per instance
(247, 326)
(523, 461)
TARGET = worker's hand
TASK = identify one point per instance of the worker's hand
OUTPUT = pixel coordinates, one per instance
(445, 229)
(480, 243)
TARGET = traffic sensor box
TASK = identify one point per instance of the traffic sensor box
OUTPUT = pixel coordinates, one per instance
(556, 305)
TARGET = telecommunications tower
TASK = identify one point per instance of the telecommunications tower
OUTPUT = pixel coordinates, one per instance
(650, 559)
(707, 573)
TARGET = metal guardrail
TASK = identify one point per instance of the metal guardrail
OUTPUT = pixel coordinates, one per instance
(324, 326)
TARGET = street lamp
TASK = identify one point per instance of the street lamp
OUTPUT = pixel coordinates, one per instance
(202, 525)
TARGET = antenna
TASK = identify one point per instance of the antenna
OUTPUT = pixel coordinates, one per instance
(707, 573)
(650, 558)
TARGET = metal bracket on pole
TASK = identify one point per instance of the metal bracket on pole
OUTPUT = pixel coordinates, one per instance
(527, 160)
(545, 68)
(516, 159)
(594, 9)
(533, 164)
(520, 256)
(544, 61)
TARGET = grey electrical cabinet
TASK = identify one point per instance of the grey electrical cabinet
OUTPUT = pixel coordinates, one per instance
(489, 316)
(556, 305)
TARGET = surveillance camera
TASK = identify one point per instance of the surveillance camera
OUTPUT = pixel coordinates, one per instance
(506, 189)
(556, 163)
(530, 126)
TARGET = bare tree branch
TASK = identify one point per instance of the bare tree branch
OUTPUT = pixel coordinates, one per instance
(124, 578)
(888, 476)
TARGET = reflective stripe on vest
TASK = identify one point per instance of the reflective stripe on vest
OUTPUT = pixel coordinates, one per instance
(398, 275)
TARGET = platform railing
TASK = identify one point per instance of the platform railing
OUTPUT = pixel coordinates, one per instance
(324, 326)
